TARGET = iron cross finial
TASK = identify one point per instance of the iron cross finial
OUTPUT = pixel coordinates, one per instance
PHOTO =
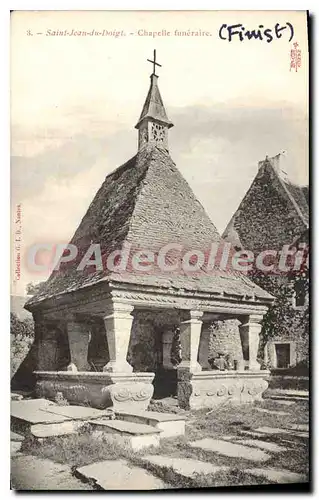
(154, 63)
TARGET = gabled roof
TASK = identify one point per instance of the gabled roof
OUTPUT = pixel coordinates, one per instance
(290, 217)
(153, 107)
(147, 204)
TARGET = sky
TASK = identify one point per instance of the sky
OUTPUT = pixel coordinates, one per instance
(76, 99)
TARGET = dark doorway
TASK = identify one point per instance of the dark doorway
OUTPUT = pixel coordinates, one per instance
(283, 355)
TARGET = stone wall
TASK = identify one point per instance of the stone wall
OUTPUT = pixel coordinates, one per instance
(225, 338)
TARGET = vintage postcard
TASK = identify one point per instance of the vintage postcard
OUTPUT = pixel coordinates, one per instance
(160, 241)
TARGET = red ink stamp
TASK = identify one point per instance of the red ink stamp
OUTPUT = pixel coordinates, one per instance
(295, 57)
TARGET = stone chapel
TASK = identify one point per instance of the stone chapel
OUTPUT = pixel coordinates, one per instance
(103, 335)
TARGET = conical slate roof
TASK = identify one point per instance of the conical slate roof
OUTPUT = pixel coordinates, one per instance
(146, 203)
(153, 107)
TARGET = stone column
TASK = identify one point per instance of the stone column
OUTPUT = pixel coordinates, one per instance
(46, 342)
(249, 336)
(79, 338)
(190, 337)
(118, 323)
(167, 347)
(204, 347)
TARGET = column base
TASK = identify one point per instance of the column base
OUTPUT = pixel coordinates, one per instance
(187, 366)
(118, 367)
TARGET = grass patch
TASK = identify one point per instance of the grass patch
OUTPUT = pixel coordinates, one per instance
(78, 450)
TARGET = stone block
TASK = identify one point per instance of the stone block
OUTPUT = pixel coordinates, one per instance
(126, 434)
(42, 431)
(98, 389)
(170, 424)
(212, 388)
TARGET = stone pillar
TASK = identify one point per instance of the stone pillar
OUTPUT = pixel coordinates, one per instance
(190, 337)
(46, 341)
(167, 347)
(249, 336)
(204, 347)
(79, 338)
(118, 323)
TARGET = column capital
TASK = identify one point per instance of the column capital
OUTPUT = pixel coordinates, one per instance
(120, 309)
(191, 316)
(252, 319)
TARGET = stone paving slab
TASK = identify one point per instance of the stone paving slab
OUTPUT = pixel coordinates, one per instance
(152, 415)
(299, 427)
(33, 473)
(120, 475)
(16, 437)
(263, 445)
(15, 447)
(230, 449)
(125, 427)
(278, 476)
(272, 430)
(16, 397)
(34, 411)
(79, 412)
(272, 412)
(284, 402)
(186, 467)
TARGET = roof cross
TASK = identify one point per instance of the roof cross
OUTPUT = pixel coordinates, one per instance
(154, 63)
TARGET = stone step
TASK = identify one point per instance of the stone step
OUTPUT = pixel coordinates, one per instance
(128, 434)
(170, 424)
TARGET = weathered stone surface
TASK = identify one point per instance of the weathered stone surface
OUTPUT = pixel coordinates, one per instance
(15, 447)
(212, 388)
(263, 445)
(225, 338)
(16, 437)
(79, 338)
(79, 412)
(285, 402)
(126, 434)
(271, 430)
(272, 412)
(125, 427)
(41, 431)
(278, 476)
(230, 449)
(118, 323)
(35, 411)
(16, 397)
(120, 475)
(169, 423)
(33, 473)
(98, 389)
(299, 427)
(184, 466)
